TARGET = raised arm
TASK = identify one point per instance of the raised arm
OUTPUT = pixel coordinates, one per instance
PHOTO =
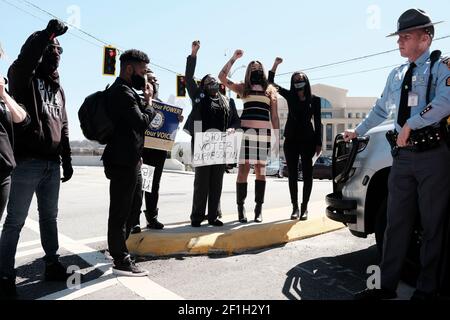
(223, 76)
(18, 114)
(191, 84)
(274, 111)
(283, 92)
(23, 69)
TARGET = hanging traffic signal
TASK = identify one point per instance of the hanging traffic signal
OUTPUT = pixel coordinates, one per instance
(109, 61)
(181, 86)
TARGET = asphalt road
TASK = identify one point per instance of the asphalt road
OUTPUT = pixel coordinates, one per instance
(328, 267)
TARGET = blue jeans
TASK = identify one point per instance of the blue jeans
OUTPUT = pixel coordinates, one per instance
(30, 177)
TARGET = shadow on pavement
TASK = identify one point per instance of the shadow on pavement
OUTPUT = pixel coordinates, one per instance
(330, 278)
(31, 284)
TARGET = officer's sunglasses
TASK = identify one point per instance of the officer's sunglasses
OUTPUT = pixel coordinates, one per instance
(51, 48)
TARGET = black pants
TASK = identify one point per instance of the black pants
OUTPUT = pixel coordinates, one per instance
(5, 186)
(294, 150)
(418, 182)
(154, 158)
(207, 188)
(125, 198)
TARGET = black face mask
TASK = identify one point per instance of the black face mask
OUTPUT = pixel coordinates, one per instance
(50, 61)
(257, 77)
(212, 89)
(138, 82)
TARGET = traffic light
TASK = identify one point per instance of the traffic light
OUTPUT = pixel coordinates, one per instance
(109, 61)
(181, 86)
(223, 89)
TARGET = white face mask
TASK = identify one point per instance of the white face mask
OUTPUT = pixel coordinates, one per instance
(299, 85)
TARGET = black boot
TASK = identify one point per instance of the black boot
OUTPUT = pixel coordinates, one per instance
(241, 196)
(56, 272)
(8, 289)
(152, 220)
(260, 191)
(295, 212)
(304, 212)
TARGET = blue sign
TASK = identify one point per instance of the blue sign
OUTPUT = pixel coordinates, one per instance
(162, 132)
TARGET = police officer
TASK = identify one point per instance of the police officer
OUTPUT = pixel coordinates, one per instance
(420, 175)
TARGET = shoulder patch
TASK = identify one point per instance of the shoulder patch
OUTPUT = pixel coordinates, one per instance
(446, 61)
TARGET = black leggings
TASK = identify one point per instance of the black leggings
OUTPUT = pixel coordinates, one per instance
(293, 151)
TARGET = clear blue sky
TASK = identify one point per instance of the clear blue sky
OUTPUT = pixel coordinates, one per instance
(304, 33)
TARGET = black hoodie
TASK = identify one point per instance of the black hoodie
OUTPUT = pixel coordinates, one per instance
(47, 136)
(7, 161)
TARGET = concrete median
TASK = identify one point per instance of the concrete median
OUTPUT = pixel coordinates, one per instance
(182, 239)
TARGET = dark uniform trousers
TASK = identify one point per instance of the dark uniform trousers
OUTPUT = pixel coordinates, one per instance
(126, 198)
(207, 189)
(418, 181)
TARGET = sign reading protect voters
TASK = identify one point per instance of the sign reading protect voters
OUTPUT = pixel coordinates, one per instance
(162, 131)
(213, 148)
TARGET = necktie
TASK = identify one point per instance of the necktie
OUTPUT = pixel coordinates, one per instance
(404, 112)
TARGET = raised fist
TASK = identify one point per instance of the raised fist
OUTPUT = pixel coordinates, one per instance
(238, 54)
(278, 60)
(56, 28)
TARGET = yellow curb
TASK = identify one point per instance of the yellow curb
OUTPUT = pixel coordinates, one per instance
(233, 238)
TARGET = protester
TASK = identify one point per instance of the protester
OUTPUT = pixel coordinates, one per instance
(302, 139)
(212, 111)
(39, 150)
(10, 112)
(155, 158)
(259, 116)
(122, 158)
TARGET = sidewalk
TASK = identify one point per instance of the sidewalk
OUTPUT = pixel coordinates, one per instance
(234, 237)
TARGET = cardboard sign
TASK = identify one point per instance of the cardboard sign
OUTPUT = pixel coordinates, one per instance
(214, 148)
(162, 132)
(147, 178)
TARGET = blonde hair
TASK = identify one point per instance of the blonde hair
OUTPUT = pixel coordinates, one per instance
(270, 90)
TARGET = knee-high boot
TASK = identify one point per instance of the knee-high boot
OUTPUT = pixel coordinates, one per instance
(260, 191)
(241, 189)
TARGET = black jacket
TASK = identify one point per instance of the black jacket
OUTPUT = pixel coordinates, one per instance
(201, 110)
(47, 136)
(299, 126)
(7, 161)
(131, 118)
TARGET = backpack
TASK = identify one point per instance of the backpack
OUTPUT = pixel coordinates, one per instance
(95, 120)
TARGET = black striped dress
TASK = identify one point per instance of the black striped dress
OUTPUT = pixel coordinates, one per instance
(256, 123)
